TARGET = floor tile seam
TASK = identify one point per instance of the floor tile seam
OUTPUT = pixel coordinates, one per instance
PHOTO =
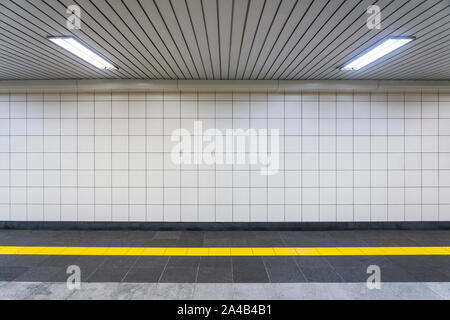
(131, 267)
(163, 271)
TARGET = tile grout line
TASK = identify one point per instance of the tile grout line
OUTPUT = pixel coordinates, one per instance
(94, 153)
(60, 159)
(146, 156)
(421, 150)
(26, 157)
(9, 155)
(163, 218)
(387, 156)
(438, 156)
(111, 156)
(215, 162)
(370, 155)
(131, 267)
(336, 156)
(319, 206)
(301, 158)
(284, 156)
(194, 155)
(78, 162)
(164, 270)
(353, 156)
(404, 156)
(232, 164)
(181, 163)
(128, 154)
(265, 268)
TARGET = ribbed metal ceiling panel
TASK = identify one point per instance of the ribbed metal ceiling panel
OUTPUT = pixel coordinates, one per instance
(224, 39)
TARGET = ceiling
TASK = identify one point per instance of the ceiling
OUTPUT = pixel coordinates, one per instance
(224, 39)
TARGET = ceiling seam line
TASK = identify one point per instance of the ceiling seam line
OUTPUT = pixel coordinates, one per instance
(136, 68)
(51, 18)
(287, 40)
(392, 24)
(151, 41)
(145, 47)
(242, 37)
(184, 38)
(196, 39)
(29, 13)
(207, 40)
(320, 42)
(86, 67)
(414, 49)
(278, 36)
(302, 36)
(161, 39)
(365, 75)
(253, 40)
(173, 40)
(126, 38)
(265, 38)
(424, 61)
(15, 45)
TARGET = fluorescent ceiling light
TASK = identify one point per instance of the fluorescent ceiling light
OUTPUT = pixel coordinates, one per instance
(80, 50)
(388, 45)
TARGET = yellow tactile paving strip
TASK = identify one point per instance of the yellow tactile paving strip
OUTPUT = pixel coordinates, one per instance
(179, 251)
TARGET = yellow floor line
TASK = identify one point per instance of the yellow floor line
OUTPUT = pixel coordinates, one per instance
(220, 251)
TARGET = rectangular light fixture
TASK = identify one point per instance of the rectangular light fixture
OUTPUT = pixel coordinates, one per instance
(77, 48)
(383, 48)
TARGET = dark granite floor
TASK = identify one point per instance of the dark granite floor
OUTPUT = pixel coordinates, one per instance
(132, 238)
(237, 269)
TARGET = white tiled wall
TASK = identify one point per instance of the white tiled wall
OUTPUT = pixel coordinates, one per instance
(106, 157)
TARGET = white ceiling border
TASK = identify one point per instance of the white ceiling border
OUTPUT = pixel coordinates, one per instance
(221, 85)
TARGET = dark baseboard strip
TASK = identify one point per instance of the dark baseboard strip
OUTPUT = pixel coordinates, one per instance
(221, 226)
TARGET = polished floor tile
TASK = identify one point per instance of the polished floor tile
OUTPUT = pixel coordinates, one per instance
(224, 269)
(149, 274)
(321, 274)
(217, 274)
(11, 273)
(249, 269)
(108, 274)
(179, 274)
